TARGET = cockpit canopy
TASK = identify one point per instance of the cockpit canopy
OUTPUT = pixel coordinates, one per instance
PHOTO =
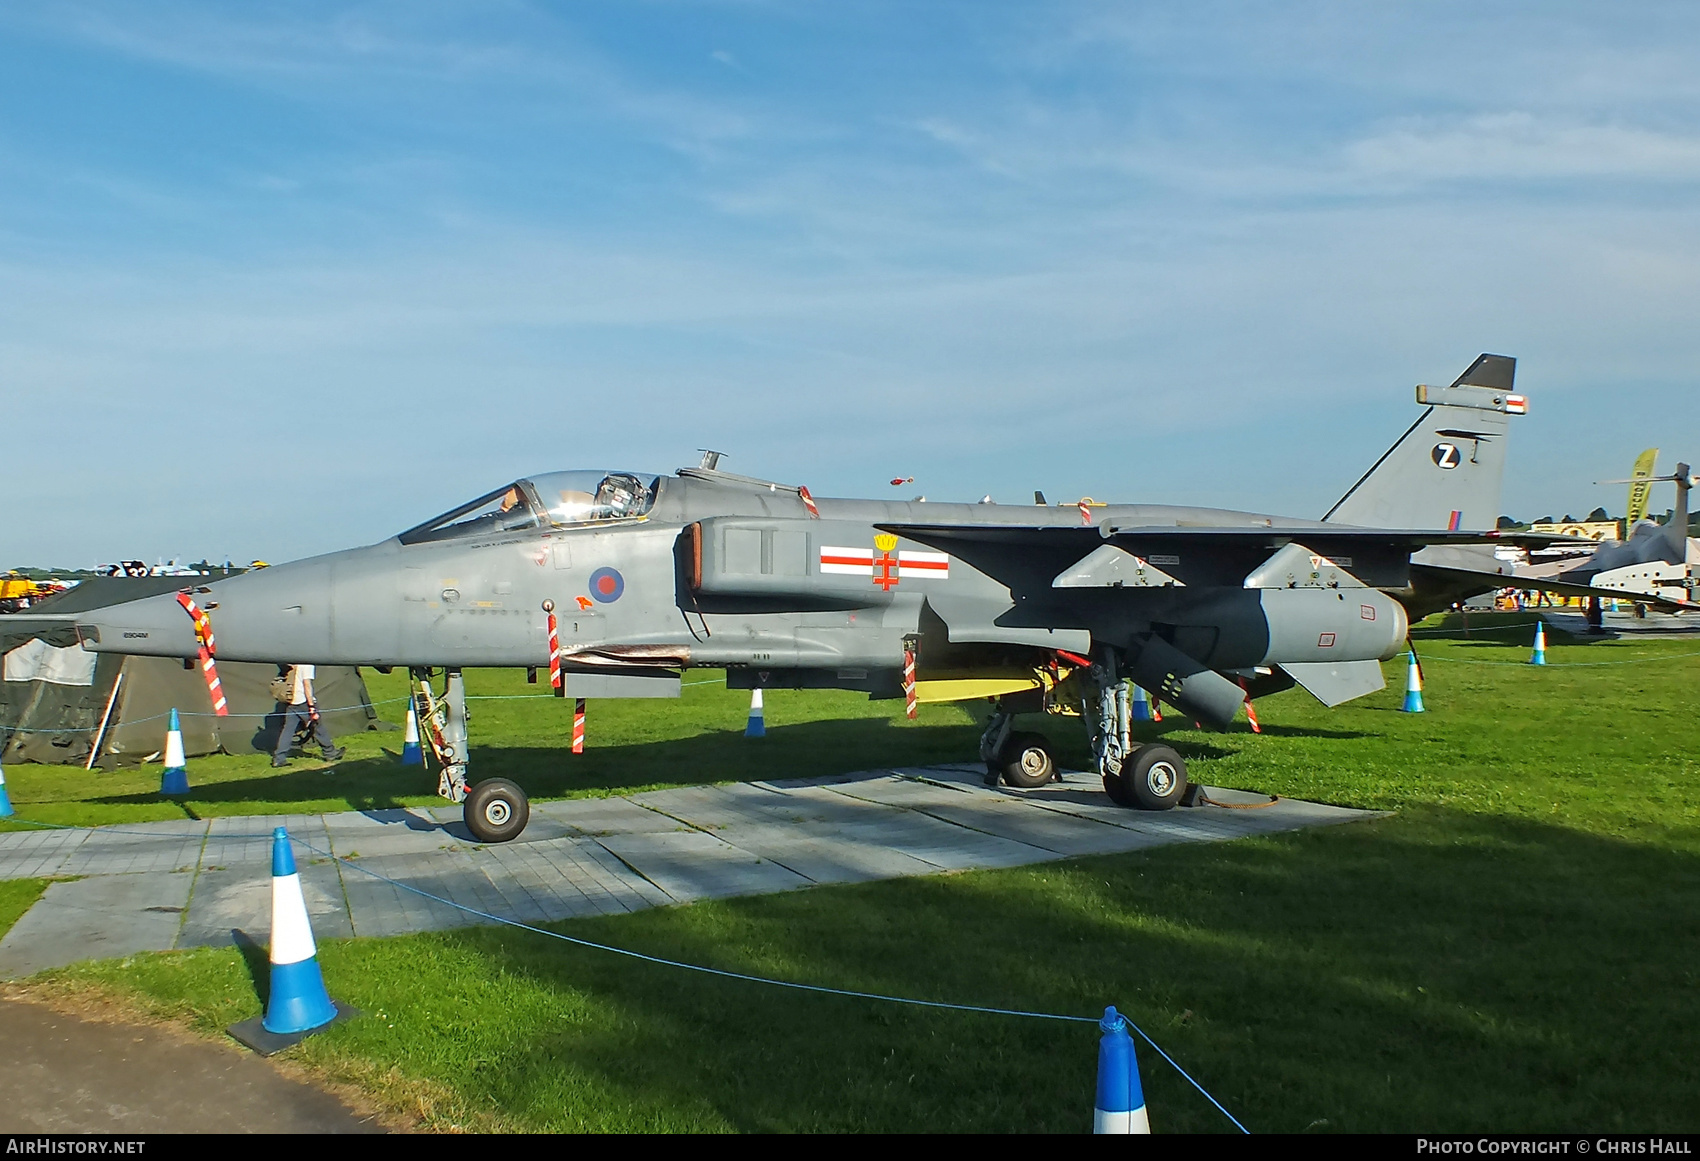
(553, 500)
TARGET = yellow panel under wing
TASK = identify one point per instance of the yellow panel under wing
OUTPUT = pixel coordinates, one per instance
(970, 688)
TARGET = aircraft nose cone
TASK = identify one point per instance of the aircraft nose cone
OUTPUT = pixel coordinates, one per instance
(150, 627)
(280, 614)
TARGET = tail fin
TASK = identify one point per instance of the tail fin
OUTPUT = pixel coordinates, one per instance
(1676, 530)
(1446, 470)
(1639, 489)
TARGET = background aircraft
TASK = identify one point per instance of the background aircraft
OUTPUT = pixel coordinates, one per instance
(1038, 608)
(1655, 561)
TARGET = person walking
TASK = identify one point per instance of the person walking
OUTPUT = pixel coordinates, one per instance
(1596, 616)
(302, 711)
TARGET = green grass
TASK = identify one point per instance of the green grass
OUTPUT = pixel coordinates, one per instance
(16, 897)
(1516, 949)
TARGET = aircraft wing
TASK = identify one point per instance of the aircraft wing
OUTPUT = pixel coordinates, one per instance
(1273, 535)
(1495, 580)
(1199, 555)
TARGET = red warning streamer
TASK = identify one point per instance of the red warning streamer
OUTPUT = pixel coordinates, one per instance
(554, 648)
(808, 502)
(578, 726)
(1250, 714)
(204, 644)
(910, 700)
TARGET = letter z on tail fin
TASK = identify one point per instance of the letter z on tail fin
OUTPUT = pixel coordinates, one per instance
(1446, 470)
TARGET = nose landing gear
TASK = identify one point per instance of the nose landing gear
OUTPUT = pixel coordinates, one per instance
(495, 810)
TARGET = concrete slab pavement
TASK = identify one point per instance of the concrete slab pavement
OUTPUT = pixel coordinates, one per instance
(187, 883)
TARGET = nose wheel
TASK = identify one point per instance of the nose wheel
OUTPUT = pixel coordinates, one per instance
(496, 810)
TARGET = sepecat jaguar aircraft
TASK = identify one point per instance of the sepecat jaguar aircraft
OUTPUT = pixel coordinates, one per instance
(1042, 608)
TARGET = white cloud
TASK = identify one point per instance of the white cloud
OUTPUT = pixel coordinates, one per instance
(1206, 276)
(1519, 146)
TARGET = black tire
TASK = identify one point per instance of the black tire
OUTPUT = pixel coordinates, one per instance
(496, 811)
(1117, 790)
(1115, 785)
(1027, 761)
(1155, 777)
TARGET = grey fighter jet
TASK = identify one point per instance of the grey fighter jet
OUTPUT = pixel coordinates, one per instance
(1038, 608)
(1658, 563)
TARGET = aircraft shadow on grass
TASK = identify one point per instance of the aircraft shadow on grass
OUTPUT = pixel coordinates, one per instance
(1353, 978)
(803, 750)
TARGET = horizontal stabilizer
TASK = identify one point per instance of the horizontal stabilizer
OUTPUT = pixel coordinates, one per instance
(1334, 682)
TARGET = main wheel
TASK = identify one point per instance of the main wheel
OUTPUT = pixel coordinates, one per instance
(1027, 761)
(496, 810)
(1155, 776)
(1115, 785)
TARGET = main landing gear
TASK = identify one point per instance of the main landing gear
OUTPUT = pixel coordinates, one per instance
(1146, 777)
(1017, 757)
(495, 810)
(1151, 778)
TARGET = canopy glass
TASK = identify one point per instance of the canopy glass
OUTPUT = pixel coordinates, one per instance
(555, 499)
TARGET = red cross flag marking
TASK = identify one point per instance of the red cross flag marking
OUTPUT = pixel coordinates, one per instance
(885, 571)
(847, 561)
(923, 564)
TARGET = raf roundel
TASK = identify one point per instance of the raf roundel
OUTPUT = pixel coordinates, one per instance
(606, 585)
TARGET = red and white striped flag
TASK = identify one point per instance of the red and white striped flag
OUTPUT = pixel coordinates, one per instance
(205, 647)
(554, 647)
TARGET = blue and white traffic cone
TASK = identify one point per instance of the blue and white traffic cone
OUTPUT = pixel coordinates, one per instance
(757, 727)
(6, 810)
(1413, 686)
(1120, 1107)
(411, 754)
(1540, 656)
(1141, 706)
(175, 780)
(298, 1001)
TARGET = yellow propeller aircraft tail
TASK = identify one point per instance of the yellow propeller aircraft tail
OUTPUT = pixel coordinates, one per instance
(1639, 487)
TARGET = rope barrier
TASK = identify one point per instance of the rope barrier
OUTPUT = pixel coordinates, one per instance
(332, 710)
(1565, 664)
(194, 714)
(1482, 628)
(745, 977)
(818, 989)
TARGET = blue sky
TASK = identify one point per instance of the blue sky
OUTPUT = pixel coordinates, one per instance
(380, 257)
